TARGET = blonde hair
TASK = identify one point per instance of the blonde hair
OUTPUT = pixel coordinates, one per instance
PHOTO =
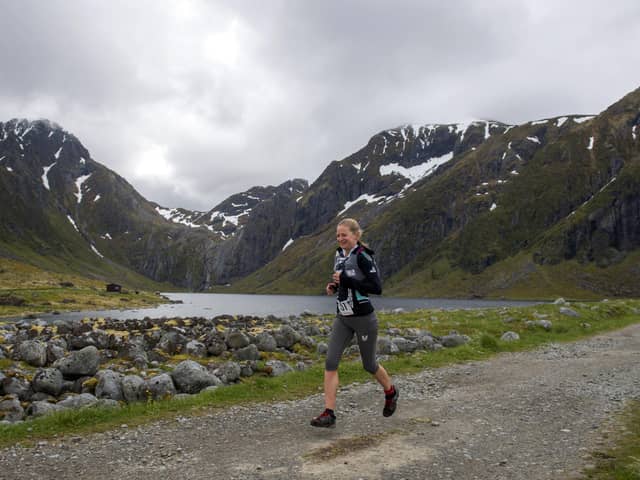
(354, 227)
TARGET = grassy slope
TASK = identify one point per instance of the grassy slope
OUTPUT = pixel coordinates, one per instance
(42, 290)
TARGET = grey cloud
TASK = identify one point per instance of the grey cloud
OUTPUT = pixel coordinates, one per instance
(313, 82)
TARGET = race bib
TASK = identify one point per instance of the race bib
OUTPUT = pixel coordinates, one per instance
(345, 307)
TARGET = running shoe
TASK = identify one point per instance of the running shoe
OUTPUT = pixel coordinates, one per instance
(324, 420)
(390, 402)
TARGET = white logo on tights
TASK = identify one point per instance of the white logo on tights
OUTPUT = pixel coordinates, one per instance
(364, 338)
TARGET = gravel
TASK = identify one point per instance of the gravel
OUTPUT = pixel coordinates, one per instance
(531, 415)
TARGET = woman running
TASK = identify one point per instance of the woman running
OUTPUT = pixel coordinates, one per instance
(355, 277)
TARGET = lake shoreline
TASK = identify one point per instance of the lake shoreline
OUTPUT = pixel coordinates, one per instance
(208, 305)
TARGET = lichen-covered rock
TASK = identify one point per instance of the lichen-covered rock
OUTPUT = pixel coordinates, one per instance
(569, 312)
(286, 337)
(80, 363)
(510, 337)
(546, 324)
(405, 345)
(160, 387)
(42, 408)
(196, 349)
(54, 353)
(78, 401)
(454, 339)
(425, 342)
(250, 352)
(172, 342)
(109, 385)
(216, 346)
(133, 388)
(191, 377)
(229, 372)
(237, 339)
(18, 386)
(266, 342)
(278, 367)
(32, 352)
(386, 347)
(48, 380)
(11, 409)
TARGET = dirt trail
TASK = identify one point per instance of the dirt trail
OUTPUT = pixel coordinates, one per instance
(532, 415)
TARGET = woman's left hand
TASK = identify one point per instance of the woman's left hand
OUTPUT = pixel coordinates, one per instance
(336, 277)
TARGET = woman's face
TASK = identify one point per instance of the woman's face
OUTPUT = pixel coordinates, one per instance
(346, 238)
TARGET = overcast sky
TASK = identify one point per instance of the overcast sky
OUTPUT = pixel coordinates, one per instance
(192, 101)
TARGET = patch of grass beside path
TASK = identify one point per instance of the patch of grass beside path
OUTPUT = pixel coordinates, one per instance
(621, 462)
(483, 326)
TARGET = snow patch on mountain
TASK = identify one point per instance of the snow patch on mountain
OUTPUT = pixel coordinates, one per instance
(366, 197)
(73, 223)
(176, 216)
(583, 119)
(45, 178)
(79, 181)
(417, 172)
(289, 242)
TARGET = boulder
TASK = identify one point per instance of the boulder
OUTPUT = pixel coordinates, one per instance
(510, 337)
(278, 367)
(54, 353)
(11, 409)
(560, 301)
(266, 342)
(171, 342)
(63, 326)
(322, 348)
(191, 377)
(32, 352)
(229, 372)
(454, 339)
(196, 349)
(160, 387)
(109, 385)
(48, 380)
(425, 342)
(80, 363)
(405, 345)
(237, 339)
(42, 408)
(385, 346)
(78, 401)
(216, 346)
(133, 388)
(250, 352)
(286, 337)
(569, 312)
(17, 386)
(546, 324)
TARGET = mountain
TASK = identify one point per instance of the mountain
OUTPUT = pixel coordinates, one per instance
(549, 207)
(480, 208)
(66, 210)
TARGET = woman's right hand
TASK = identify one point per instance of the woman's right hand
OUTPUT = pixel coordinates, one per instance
(331, 288)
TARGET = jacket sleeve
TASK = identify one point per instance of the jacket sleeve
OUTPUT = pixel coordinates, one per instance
(371, 283)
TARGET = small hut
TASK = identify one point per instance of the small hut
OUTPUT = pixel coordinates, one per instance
(114, 287)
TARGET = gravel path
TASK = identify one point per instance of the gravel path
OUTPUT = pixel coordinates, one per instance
(531, 415)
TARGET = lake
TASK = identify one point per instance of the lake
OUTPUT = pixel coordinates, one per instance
(209, 305)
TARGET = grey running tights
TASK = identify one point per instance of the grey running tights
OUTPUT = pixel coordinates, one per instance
(366, 329)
